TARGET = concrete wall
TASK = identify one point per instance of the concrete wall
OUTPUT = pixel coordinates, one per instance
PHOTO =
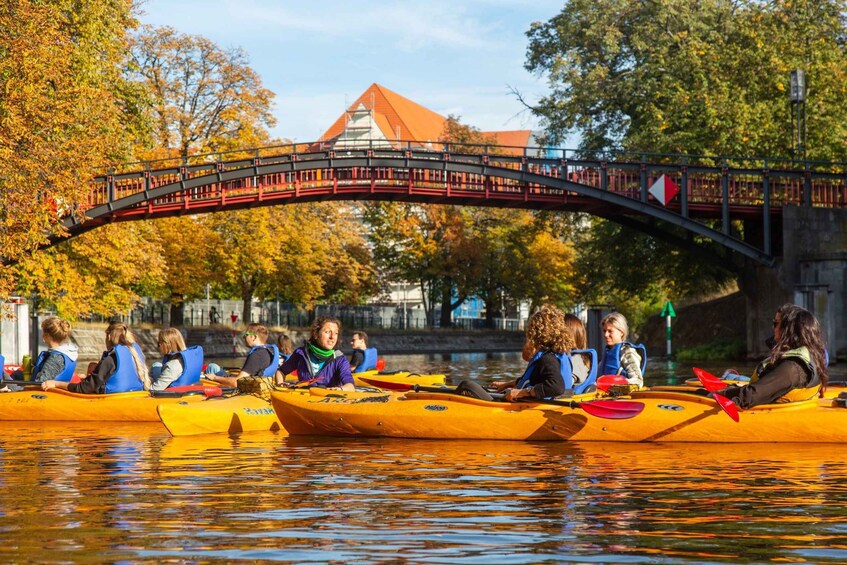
(220, 343)
(812, 273)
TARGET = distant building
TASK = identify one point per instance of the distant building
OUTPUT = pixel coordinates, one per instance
(381, 117)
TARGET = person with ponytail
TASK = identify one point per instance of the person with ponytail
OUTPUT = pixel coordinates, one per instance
(795, 369)
(317, 362)
(121, 367)
(59, 361)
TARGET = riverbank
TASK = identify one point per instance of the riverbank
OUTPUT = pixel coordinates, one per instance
(219, 341)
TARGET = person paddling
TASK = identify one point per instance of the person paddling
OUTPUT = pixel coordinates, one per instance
(796, 367)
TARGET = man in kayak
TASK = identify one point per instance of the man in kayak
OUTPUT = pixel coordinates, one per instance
(262, 359)
(794, 370)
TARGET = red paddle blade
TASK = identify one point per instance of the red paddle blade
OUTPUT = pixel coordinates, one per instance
(709, 381)
(728, 406)
(605, 382)
(387, 385)
(612, 409)
(712, 383)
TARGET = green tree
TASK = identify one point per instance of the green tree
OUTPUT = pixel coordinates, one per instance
(706, 78)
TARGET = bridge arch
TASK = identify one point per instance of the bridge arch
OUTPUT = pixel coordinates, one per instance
(616, 189)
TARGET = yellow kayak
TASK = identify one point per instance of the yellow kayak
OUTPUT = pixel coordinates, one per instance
(394, 380)
(239, 413)
(234, 414)
(664, 416)
(58, 405)
(398, 380)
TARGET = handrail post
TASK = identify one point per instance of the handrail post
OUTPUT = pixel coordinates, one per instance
(683, 188)
(644, 186)
(766, 211)
(725, 198)
(807, 186)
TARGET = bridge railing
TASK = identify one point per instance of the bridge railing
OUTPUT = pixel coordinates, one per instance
(706, 180)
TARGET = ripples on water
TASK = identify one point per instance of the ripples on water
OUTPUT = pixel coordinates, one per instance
(131, 493)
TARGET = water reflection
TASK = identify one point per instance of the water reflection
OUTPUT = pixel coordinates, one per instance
(85, 492)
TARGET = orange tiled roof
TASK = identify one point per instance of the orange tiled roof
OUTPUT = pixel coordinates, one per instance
(394, 114)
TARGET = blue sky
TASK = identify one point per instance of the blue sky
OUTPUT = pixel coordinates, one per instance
(453, 56)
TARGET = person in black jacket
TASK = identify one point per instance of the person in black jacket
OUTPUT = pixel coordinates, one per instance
(548, 338)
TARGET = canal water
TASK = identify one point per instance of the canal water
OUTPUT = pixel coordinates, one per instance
(132, 493)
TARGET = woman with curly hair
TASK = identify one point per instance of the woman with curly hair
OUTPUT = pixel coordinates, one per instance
(548, 341)
(794, 370)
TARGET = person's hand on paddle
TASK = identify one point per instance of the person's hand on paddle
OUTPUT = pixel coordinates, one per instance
(512, 394)
(500, 386)
(47, 385)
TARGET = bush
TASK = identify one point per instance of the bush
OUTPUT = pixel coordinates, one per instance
(723, 350)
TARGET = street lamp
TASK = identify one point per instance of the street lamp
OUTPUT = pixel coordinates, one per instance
(797, 96)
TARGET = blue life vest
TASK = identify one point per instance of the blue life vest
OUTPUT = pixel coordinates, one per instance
(369, 362)
(192, 364)
(125, 378)
(270, 369)
(591, 379)
(564, 364)
(612, 358)
(67, 373)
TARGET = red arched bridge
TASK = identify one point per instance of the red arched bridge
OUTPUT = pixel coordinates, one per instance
(731, 202)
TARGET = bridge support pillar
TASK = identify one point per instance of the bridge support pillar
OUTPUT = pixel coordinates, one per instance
(810, 273)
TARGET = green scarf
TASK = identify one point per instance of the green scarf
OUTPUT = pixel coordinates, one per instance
(321, 355)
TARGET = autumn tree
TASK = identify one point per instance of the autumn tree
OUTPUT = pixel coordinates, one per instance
(202, 96)
(62, 118)
(302, 253)
(101, 272)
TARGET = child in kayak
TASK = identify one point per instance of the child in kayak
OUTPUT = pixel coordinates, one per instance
(59, 361)
(121, 367)
(180, 364)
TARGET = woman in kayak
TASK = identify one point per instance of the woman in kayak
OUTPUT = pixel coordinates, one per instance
(794, 370)
(180, 365)
(317, 362)
(121, 367)
(548, 341)
(621, 357)
(580, 362)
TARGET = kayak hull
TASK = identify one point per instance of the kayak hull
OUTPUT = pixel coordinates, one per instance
(668, 416)
(239, 413)
(58, 405)
(234, 414)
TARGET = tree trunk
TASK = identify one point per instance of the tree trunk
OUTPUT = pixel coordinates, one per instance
(177, 311)
(446, 307)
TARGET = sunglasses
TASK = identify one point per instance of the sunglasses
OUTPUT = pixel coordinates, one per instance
(245, 334)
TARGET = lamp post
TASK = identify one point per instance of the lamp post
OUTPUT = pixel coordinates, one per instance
(797, 96)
